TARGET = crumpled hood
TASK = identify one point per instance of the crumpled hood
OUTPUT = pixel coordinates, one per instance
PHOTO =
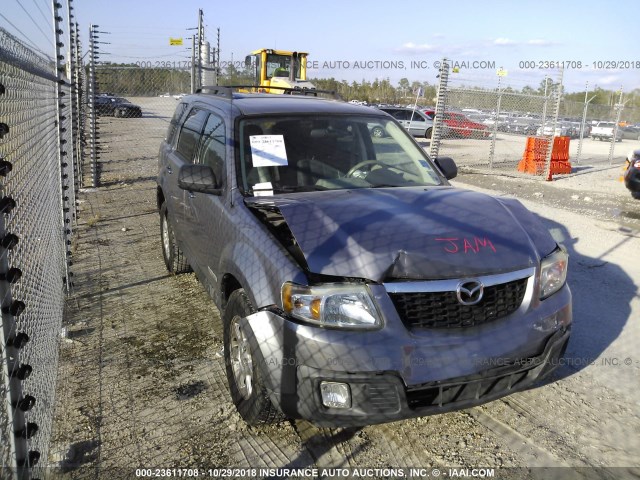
(411, 233)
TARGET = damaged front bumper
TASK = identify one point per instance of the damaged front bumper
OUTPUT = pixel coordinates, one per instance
(394, 373)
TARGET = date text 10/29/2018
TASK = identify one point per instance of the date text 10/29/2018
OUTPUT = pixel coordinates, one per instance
(579, 65)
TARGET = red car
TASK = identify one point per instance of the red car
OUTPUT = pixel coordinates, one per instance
(458, 125)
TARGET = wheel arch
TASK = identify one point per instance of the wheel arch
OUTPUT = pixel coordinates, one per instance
(228, 285)
(159, 197)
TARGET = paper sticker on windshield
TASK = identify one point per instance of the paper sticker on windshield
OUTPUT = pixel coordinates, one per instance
(264, 189)
(268, 151)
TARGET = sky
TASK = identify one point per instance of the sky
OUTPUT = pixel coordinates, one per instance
(354, 40)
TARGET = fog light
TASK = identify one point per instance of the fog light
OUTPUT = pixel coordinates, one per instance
(335, 395)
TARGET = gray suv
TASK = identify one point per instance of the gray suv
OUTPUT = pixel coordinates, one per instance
(356, 285)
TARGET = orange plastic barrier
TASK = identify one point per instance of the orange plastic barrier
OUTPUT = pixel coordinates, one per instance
(535, 151)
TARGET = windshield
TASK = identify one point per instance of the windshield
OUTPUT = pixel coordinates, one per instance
(278, 65)
(328, 152)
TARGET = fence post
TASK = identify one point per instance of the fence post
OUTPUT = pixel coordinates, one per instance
(557, 98)
(12, 341)
(492, 148)
(65, 132)
(618, 108)
(583, 124)
(441, 101)
(79, 102)
(93, 155)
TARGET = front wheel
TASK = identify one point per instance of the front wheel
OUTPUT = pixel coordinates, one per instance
(246, 386)
(174, 258)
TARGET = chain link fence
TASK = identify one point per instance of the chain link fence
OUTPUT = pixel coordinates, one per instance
(39, 139)
(485, 123)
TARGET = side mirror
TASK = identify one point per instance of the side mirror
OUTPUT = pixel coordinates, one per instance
(447, 166)
(198, 178)
(247, 61)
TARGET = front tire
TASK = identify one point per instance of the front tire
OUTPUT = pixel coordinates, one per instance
(244, 377)
(174, 258)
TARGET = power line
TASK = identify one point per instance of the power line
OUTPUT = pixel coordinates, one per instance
(46, 36)
(24, 37)
(47, 20)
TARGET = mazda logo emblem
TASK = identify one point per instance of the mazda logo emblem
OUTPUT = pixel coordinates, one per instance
(469, 292)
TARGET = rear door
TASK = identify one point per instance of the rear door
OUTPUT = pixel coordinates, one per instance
(417, 124)
(184, 152)
(206, 226)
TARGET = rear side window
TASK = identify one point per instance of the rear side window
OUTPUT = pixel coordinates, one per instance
(190, 134)
(173, 124)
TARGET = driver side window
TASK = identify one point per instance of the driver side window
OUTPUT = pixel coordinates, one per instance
(190, 134)
(212, 150)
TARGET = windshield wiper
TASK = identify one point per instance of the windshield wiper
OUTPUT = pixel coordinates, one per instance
(298, 188)
(385, 185)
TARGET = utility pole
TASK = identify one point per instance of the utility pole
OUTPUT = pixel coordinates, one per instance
(200, 47)
(193, 63)
(217, 60)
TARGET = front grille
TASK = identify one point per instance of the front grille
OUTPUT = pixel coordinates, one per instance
(442, 309)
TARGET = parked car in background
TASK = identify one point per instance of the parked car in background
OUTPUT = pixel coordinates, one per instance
(355, 284)
(417, 122)
(478, 117)
(604, 131)
(116, 106)
(458, 125)
(561, 130)
(631, 132)
(632, 173)
(521, 126)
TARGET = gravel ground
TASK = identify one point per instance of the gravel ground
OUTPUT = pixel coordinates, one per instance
(142, 382)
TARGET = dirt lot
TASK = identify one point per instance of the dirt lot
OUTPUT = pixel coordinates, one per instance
(142, 383)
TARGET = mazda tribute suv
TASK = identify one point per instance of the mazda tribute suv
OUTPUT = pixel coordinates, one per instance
(356, 285)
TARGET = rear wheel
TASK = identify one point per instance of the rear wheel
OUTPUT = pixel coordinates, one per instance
(428, 133)
(246, 385)
(174, 258)
(377, 132)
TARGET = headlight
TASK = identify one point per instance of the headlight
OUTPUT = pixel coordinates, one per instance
(553, 272)
(332, 305)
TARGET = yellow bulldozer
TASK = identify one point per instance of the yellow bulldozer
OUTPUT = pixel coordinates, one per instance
(279, 68)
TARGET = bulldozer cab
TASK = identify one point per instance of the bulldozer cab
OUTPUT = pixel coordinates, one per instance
(278, 68)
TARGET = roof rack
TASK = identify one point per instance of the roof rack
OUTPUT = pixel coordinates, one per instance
(228, 90)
